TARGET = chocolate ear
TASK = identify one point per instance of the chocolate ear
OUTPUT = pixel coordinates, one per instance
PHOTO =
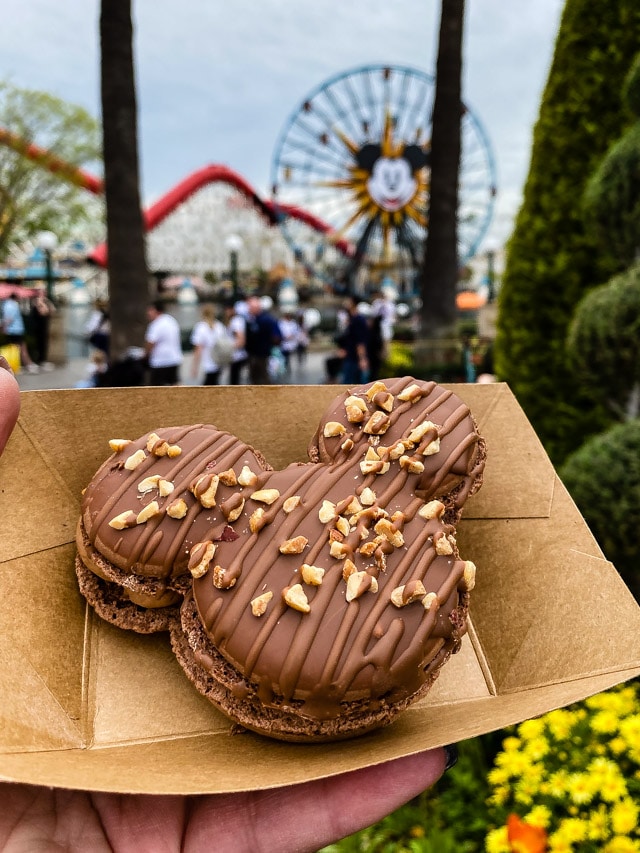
(367, 156)
(416, 157)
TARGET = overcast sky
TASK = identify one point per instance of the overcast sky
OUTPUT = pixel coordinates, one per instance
(217, 81)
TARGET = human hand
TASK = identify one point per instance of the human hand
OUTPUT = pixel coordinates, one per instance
(298, 818)
(9, 402)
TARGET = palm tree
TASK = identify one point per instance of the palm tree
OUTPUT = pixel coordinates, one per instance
(439, 273)
(127, 268)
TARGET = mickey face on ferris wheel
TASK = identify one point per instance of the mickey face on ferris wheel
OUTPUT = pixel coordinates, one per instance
(392, 182)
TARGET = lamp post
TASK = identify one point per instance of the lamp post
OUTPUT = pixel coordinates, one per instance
(233, 244)
(491, 272)
(47, 241)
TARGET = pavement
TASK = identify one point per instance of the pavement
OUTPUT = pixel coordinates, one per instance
(311, 372)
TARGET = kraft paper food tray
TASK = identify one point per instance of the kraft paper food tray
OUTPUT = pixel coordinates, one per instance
(86, 705)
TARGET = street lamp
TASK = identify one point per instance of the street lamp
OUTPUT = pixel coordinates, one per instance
(233, 245)
(491, 251)
(47, 241)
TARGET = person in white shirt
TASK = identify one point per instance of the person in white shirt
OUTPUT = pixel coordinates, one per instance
(204, 336)
(236, 325)
(163, 346)
(289, 330)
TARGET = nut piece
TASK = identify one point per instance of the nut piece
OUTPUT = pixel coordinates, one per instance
(157, 446)
(374, 389)
(387, 528)
(327, 512)
(384, 399)
(165, 487)
(177, 508)
(368, 497)
(356, 409)
(294, 546)
(246, 477)
(132, 462)
(348, 568)
(443, 545)
(266, 496)
(149, 483)
(430, 600)
(358, 583)
(228, 477)
(410, 394)
(373, 464)
(125, 519)
(232, 508)
(469, 575)
(411, 464)
(257, 520)
(205, 488)
(333, 428)
(200, 558)
(419, 432)
(173, 450)
(407, 593)
(291, 503)
(347, 445)
(432, 509)
(339, 550)
(259, 604)
(377, 424)
(223, 579)
(311, 574)
(118, 444)
(295, 597)
(342, 525)
(148, 512)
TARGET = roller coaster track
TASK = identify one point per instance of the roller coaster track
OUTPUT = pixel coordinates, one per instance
(170, 201)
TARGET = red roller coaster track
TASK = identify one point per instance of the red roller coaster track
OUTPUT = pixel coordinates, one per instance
(176, 196)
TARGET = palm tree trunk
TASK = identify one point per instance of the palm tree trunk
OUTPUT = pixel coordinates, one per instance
(127, 268)
(439, 273)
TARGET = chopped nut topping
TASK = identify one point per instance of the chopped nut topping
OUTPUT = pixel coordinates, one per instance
(246, 477)
(232, 508)
(157, 446)
(430, 600)
(358, 402)
(432, 509)
(311, 574)
(347, 445)
(343, 525)
(377, 424)
(200, 558)
(408, 593)
(355, 415)
(149, 484)
(291, 503)
(333, 428)
(374, 389)
(373, 464)
(348, 568)
(118, 444)
(165, 487)
(266, 496)
(257, 520)
(132, 462)
(390, 531)
(368, 549)
(469, 575)
(348, 506)
(177, 508)
(411, 464)
(327, 512)
(335, 535)
(125, 519)
(443, 545)
(205, 489)
(339, 550)
(222, 578)
(173, 450)
(259, 604)
(410, 394)
(296, 598)
(384, 399)
(148, 512)
(228, 477)
(399, 449)
(367, 497)
(358, 583)
(152, 440)
(419, 432)
(294, 546)
(432, 448)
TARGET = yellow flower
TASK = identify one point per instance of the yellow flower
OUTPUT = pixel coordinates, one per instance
(497, 776)
(496, 841)
(558, 784)
(539, 816)
(536, 748)
(581, 787)
(621, 844)
(598, 824)
(531, 729)
(605, 722)
(514, 763)
(624, 816)
(608, 780)
(572, 830)
(561, 722)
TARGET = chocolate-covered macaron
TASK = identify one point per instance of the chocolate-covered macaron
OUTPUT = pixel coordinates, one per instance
(144, 510)
(342, 592)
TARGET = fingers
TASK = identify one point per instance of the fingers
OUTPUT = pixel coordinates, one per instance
(306, 817)
(9, 402)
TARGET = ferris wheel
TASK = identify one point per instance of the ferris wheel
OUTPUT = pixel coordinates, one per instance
(352, 164)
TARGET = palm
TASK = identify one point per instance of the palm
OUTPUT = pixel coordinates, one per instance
(298, 818)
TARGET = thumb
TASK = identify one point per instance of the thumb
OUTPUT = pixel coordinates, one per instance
(9, 402)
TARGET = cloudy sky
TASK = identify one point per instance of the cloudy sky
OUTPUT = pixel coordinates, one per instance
(218, 81)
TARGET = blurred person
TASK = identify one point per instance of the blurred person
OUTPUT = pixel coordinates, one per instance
(289, 333)
(206, 333)
(163, 346)
(96, 368)
(42, 310)
(303, 339)
(355, 341)
(98, 326)
(262, 335)
(236, 324)
(14, 331)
